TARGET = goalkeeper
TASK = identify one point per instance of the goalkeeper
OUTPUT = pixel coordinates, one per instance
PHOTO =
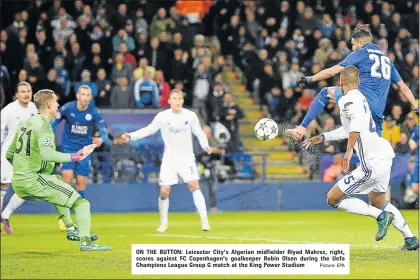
(33, 156)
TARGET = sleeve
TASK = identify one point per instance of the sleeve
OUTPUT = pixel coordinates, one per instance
(395, 76)
(148, 130)
(11, 151)
(198, 132)
(155, 95)
(336, 134)
(130, 43)
(94, 89)
(239, 112)
(58, 118)
(352, 59)
(354, 111)
(46, 147)
(77, 86)
(67, 84)
(100, 125)
(4, 121)
(415, 134)
(115, 43)
(137, 97)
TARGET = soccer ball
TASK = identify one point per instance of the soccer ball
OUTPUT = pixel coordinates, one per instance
(266, 129)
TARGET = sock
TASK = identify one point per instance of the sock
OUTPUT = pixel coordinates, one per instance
(64, 213)
(200, 204)
(82, 193)
(3, 194)
(83, 219)
(14, 203)
(399, 221)
(163, 209)
(316, 107)
(358, 206)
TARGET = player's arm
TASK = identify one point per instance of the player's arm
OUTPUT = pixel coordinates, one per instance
(324, 74)
(143, 132)
(100, 125)
(414, 138)
(405, 90)
(11, 151)
(199, 133)
(48, 152)
(352, 59)
(4, 121)
(354, 112)
(407, 93)
(334, 135)
(412, 144)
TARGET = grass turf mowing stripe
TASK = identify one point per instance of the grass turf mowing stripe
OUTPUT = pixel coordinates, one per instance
(256, 239)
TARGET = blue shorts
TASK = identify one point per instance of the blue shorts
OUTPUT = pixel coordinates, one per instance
(338, 93)
(81, 168)
(415, 176)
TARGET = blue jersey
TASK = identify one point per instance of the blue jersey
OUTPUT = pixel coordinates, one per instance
(78, 126)
(377, 73)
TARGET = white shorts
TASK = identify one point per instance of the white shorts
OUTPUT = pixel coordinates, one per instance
(369, 176)
(6, 171)
(170, 170)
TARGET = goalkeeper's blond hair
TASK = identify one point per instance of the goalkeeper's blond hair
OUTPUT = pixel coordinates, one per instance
(42, 97)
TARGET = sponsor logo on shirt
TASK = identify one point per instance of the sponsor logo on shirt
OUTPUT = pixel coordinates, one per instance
(88, 117)
(176, 130)
(47, 142)
(79, 129)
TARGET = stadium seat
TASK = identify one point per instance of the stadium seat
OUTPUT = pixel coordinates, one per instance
(244, 165)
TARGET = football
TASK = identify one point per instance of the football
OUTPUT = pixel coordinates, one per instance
(266, 129)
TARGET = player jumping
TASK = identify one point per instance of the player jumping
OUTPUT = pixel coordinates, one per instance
(176, 125)
(80, 118)
(33, 155)
(414, 140)
(11, 117)
(377, 73)
(375, 154)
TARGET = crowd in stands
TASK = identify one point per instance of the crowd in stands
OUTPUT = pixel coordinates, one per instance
(132, 53)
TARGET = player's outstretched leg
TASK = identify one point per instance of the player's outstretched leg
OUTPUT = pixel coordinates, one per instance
(325, 95)
(163, 203)
(200, 204)
(14, 203)
(81, 208)
(336, 198)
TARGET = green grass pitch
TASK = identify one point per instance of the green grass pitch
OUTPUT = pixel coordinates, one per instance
(38, 249)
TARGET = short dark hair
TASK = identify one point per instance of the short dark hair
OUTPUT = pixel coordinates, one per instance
(361, 30)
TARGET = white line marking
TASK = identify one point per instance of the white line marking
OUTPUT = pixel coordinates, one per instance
(257, 239)
(182, 224)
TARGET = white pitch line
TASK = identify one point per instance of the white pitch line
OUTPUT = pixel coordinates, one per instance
(256, 239)
(183, 224)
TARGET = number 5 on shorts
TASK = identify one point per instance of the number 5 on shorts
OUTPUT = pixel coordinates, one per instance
(348, 179)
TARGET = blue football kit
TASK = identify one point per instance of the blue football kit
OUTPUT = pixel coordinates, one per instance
(376, 72)
(78, 132)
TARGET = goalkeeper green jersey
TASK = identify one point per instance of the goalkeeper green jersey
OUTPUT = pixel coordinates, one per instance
(32, 151)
